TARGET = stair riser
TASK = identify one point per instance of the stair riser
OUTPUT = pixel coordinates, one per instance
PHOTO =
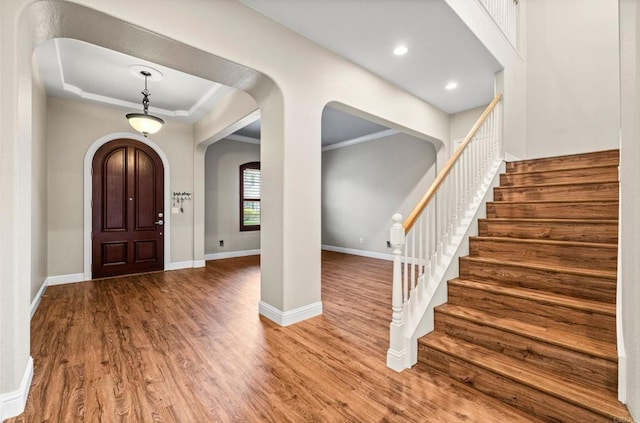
(568, 210)
(598, 326)
(514, 393)
(587, 287)
(571, 176)
(580, 192)
(600, 158)
(591, 256)
(604, 232)
(579, 367)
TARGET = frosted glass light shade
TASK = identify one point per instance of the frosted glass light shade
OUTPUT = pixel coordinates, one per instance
(146, 124)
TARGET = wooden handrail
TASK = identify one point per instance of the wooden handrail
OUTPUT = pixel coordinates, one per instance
(417, 211)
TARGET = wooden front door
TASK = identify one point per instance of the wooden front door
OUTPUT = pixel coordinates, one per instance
(128, 209)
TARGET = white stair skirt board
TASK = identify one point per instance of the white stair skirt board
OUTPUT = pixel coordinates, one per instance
(363, 253)
(12, 403)
(508, 157)
(286, 318)
(231, 254)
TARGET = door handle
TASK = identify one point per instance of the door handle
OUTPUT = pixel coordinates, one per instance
(159, 222)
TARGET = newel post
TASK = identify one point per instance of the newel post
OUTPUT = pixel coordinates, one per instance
(397, 353)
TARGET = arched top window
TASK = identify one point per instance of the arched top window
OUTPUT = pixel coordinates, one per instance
(250, 215)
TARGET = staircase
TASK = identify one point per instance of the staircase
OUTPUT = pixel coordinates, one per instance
(531, 320)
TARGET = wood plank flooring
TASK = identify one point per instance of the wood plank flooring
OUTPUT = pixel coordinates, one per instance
(189, 346)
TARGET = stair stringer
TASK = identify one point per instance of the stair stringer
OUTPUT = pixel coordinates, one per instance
(431, 290)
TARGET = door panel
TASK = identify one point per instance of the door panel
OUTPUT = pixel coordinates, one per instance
(128, 204)
(115, 191)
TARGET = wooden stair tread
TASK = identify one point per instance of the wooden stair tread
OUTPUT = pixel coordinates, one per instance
(546, 220)
(552, 201)
(597, 400)
(540, 296)
(571, 161)
(545, 242)
(605, 274)
(546, 172)
(554, 184)
(567, 340)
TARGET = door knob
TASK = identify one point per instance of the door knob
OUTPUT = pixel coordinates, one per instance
(159, 222)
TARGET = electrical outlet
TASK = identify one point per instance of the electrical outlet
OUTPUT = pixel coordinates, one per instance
(361, 240)
(222, 242)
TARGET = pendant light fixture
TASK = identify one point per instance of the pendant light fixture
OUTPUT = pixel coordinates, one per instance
(144, 122)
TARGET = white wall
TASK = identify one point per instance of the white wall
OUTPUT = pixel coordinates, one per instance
(630, 196)
(39, 227)
(573, 99)
(222, 196)
(512, 81)
(363, 185)
(72, 126)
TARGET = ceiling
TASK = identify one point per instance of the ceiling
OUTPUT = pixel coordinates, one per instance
(441, 49)
(76, 69)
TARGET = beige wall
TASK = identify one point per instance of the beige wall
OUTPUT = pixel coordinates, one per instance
(461, 123)
(573, 96)
(222, 196)
(630, 196)
(72, 127)
(363, 185)
(39, 227)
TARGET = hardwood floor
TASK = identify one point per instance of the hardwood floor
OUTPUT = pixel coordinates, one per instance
(189, 346)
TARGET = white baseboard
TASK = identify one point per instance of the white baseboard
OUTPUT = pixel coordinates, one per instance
(36, 301)
(286, 318)
(62, 279)
(363, 253)
(199, 263)
(177, 265)
(12, 403)
(231, 254)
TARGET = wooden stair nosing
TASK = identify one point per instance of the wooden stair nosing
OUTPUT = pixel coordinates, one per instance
(586, 208)
(541, 297)
(547, 220)
(605, 274)
(555, 184)
(586, 255)
(545, 242)
(582, 230)
(557, 337)
(522, 373)
(546, 172)
(588, 174)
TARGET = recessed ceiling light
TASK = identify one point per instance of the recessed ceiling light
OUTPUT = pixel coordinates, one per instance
(451, 85)
(400, 50)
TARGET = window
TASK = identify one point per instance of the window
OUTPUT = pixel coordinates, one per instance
(250, 196)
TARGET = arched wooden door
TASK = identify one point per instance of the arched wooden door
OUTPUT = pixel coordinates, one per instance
(127, 209)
